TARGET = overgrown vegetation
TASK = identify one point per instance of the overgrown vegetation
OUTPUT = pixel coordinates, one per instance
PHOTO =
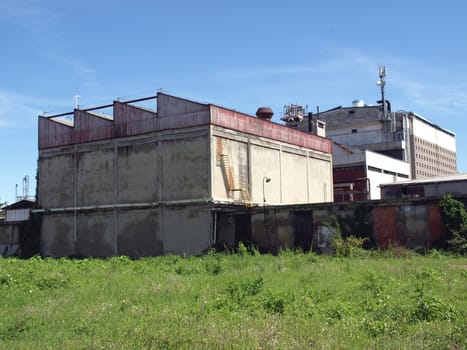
(454, 217)
(243, 300)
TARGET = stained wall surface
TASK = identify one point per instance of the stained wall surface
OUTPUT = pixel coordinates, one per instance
(143, 182)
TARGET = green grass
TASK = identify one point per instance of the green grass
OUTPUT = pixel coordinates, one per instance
(289, 301)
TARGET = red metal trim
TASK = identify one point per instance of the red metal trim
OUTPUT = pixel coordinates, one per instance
(251, 125)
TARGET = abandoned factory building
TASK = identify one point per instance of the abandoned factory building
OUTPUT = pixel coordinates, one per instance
(140, 182)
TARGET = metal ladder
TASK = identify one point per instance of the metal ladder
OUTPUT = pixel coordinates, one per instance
(225, 163)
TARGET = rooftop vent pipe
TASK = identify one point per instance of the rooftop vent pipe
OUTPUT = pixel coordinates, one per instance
(264, 113)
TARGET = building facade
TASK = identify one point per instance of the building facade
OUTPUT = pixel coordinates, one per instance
(143, 182)
(358, 174)
(455, 185)
(429, 149)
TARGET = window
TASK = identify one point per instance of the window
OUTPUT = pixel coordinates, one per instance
(354, 131)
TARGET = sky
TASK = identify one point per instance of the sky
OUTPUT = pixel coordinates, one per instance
(237, 54)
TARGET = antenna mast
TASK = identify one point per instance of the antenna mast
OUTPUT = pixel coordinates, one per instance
(381, 83)
(25, 187)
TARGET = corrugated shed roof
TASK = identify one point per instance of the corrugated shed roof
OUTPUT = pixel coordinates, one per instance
(22, 204)
(429, 180)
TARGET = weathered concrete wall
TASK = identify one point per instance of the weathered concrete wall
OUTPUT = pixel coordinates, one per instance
(413, 224)
(320, 181)
(274, 229)
(138, 232)
(9, 239)
(135, 232)
(290, 168)
(142, 183)
(137, 164)
(95, 234)
(147, 169)
(58, 235)
(185, 165)
(265, 162)
(95, 176)
(57, 180)
(187, 230)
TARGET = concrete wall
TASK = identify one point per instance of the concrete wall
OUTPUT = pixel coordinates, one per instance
(413, 224)
(9, 239)
(135, 232)
(165, 167)
(88, 191)
(297, 175)
(143, 182)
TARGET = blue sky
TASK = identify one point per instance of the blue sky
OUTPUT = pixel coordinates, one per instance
(238, 54)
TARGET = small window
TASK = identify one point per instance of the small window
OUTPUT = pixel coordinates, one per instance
(352, 112)
(354, 131)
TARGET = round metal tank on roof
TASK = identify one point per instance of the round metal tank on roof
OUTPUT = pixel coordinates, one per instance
(264, 113)
(358, 103)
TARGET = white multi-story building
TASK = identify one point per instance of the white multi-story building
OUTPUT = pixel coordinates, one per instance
(429, 149)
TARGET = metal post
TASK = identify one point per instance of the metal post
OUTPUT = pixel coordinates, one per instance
(265, 179)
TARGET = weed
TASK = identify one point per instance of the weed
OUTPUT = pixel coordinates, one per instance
(430, 308)
(348, 247)
(221, 300)
(274, 303)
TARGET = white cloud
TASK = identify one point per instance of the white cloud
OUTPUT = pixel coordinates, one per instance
(42, 24)
(412, 83)
(333, 61)
(21, 111)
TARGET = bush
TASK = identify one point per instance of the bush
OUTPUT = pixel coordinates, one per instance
(348, 247)
(454, 218)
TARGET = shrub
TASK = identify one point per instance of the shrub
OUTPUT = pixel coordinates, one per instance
(454, 218)
(348, 247)
(431, 308)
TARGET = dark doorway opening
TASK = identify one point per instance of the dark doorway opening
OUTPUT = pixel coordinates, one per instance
(243, 229)
(303, 227)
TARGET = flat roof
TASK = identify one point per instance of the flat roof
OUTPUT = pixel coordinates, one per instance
(429, 180)
(416, 115)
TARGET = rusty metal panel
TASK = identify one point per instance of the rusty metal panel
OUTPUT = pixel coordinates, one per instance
(91, 127)
(186, 120)
(53, 133)
(132, 120)
(436, 226)
(385, 219)
(245, 123)
(170, 105)
(413, 226)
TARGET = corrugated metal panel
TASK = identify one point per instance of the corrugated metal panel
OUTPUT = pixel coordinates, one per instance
(436, 227)
(90, 127)
(131, 120)
(172, 113)
(53, 133)
(17, 215)
(176, 112)
(241, 122)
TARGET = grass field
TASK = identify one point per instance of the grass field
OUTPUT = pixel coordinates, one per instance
(243, 300)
